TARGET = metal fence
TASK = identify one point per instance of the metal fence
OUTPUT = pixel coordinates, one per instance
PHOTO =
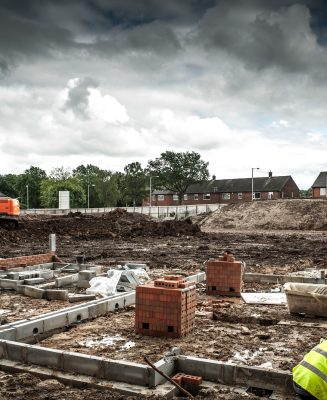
(154, 211)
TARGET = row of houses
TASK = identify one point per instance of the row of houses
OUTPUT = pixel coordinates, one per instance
(225, 191)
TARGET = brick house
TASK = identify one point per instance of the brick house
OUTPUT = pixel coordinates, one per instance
(319, 187)
(226, 191)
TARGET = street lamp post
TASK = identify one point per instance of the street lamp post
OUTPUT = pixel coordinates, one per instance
(150, 194)
(27, 197)
(150, 190)
(88, 195)
(252, 180)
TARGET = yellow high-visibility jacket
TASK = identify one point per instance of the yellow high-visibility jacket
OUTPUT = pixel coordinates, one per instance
(311, 373)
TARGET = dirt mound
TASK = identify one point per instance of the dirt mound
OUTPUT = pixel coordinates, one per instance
(116, 224)
(294, 214)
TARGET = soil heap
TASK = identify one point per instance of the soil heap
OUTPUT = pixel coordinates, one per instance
(293, 214)
(116, 224)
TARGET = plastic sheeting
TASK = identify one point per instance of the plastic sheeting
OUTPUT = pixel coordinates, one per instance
(103, 285)
(306, 298)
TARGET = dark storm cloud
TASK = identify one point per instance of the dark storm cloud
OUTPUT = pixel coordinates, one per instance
(259, 33)
(78, 96)
(28, 35)
(262, 36)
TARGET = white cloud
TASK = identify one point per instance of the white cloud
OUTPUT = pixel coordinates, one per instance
(106, 108)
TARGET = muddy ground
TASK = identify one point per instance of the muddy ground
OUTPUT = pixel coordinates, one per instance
(247, 334)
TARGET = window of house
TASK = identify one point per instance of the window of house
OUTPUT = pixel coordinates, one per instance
(206, 196)
(226, 196)
(175, 197)
(185, 196)
(322, 191)
(256, 196)
(196, 196)
(270, 195)
(240, 196)
(153, 197)
(215, 189)
(161, 197)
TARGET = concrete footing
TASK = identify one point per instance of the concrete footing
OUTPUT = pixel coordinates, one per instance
(239, 375)
(281, 279)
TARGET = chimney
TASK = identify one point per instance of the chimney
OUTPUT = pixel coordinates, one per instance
(270, 174)
(213, 177)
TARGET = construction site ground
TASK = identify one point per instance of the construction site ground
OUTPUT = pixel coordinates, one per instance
(238, 332)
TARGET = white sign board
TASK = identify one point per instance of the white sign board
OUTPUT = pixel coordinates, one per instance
(64, 201)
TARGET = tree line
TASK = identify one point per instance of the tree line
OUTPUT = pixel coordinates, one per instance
(104, 188)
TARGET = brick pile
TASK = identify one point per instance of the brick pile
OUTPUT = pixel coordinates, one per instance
(224, 276)
(165, 307)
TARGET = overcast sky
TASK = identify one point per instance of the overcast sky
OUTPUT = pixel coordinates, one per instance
(109, 82)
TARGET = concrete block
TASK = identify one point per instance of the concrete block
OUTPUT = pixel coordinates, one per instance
(8, 334)
(47, 274)
(78, 315)
(13, 275)
(98, 309)
(81, 297)
(86, 275)
(124, 371)
(96, 268)
(56, 294)
(165, 365)
(34, 281)
(46, 357)
(10, 284)
(83, 284)
(55, 321)
(34, 292)
(11, 350)
(200, 277)
(28, 329)
(83, 364)
(67, 280)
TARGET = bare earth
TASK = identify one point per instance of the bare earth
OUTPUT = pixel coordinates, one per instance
(244, 334)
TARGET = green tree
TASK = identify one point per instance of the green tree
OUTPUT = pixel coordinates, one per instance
(106, 188)
(305, 193)
(134, 184)
(177, 171)
(30, 181)
(60, 174)
(50, 192)
(99, 183)
(9, 185)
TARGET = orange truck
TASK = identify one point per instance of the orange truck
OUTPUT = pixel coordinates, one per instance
(9, 211)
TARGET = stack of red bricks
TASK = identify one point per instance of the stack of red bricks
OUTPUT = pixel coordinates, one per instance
(224, 276)
(165, 307)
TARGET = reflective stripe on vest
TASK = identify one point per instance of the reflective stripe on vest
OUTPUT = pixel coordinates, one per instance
(320, 351)
(311, 373)
(314, 370)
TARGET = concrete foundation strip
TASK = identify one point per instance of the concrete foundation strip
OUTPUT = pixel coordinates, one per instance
(81, 381)
(239, 375)
(122, 371)
(281, 279)
(58, 319)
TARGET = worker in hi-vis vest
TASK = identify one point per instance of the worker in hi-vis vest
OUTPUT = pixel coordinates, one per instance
(310, 376)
